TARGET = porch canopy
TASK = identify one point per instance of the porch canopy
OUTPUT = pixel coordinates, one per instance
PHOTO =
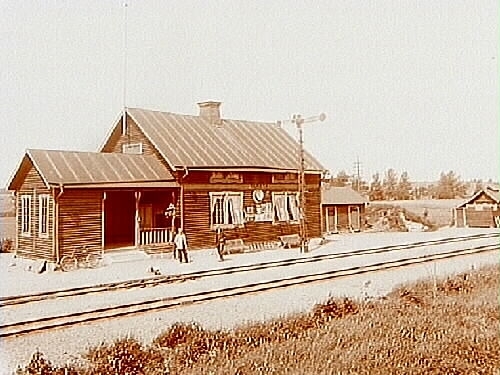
(125, 194)
(74, 169)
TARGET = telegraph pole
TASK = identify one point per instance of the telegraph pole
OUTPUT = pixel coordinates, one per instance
(357, 172)
(124, 97)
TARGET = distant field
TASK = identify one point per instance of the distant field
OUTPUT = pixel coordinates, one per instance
(6, 202)
(7, 227)
(440, 211)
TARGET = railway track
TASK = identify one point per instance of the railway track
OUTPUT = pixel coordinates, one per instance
(159, 280)
(82, 317)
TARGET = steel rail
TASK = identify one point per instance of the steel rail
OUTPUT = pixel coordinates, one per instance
(70, 319)
(154, 281)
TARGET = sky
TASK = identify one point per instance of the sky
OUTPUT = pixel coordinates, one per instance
(408, 85)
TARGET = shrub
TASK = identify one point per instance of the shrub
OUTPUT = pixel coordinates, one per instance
(335, 309)
(6, 245)
(125, 356)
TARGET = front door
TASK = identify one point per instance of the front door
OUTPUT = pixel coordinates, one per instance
(119, 219)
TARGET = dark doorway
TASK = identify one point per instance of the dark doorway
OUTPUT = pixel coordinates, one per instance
(119, 219)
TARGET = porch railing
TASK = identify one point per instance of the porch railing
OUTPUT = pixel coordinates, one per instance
(154, 235)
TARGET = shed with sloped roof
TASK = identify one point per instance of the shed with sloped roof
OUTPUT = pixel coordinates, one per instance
(343, 209)
(481, 210)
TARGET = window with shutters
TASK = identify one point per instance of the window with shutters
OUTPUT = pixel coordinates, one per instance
(226, 209)
(286, 206)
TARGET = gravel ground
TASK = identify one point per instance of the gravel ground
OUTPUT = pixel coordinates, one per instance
(16, 280)
(59, 345)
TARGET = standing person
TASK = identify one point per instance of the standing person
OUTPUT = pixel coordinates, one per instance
(181, 245)
(220, 238)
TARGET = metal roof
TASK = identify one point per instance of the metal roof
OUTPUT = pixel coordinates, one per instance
(341, 195)
(192, 141)
(90, 168)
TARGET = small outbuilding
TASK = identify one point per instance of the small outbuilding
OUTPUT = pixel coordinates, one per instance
(479, 211)
(342, 208)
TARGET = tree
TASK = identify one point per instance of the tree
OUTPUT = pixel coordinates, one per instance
(450, 186)
(341, 180)
(404, 187)
(376, 193)
(390, 183)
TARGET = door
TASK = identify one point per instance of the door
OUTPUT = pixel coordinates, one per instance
(146, 216)
(354, 218)
(119, 219)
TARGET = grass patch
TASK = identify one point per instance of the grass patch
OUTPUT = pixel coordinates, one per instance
(450, 326)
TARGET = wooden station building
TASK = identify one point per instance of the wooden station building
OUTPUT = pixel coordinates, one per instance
(480, 210)
(158, 170)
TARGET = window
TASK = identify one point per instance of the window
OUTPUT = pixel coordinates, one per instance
(43, 215)
(227, 209)
(132, 148)
(286, 206)
(26, 215)
(264, 212)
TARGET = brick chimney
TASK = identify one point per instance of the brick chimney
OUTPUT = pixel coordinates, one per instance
(211, 111)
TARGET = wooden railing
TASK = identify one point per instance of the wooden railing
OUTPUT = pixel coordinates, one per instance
(154, 235)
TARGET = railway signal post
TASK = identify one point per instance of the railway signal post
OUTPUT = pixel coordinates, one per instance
(299, 122)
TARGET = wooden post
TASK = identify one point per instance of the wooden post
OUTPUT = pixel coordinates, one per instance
(33, 226)
(103, 222)
(336, 220)
(136, 226)
(327, 219)
(182, 209)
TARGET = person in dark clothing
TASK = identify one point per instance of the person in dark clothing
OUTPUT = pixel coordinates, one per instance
(181, 245)
(220, 239)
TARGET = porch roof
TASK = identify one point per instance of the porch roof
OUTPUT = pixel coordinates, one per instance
(93, 169)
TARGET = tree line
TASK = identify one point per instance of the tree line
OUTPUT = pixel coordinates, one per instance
(398, 186)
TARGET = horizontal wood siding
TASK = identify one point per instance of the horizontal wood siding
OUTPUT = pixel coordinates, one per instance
(197, 219)
(197, 215)
(80, 220)
(313, 212)
(35, 246)
(479, 219)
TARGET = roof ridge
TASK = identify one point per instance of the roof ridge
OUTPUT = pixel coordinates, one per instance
(198, 116)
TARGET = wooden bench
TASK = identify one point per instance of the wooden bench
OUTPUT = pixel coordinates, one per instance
(235, 246)
(290, 240)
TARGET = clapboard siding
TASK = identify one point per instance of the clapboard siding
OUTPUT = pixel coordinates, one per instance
(134, 135)
(197, 215)
(479, 219)
(80, 220)
(35, 246)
